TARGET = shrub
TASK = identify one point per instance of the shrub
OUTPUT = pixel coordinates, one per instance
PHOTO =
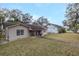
(62, 30)
(1, 36)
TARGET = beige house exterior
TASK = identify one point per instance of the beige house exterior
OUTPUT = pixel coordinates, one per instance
(12, 34)
(20, 30)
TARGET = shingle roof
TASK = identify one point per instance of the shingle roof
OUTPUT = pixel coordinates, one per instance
(32, 26)
(56, 25)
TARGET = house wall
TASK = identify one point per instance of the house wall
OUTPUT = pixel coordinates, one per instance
(11, 33)
(52, 29)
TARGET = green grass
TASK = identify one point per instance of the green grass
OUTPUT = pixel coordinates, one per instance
(34, 46)
(69, 37)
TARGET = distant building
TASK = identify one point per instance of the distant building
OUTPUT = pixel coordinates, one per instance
(53, 28)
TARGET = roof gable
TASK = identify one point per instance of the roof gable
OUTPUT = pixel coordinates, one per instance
(14, 24)
(29, 26)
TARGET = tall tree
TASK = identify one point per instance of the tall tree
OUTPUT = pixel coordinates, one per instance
(65, 22)
(42, 21)
(72, 15)
(27, 18)
(16, 14)
(3, 14)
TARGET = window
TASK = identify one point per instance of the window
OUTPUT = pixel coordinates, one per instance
(20, 32)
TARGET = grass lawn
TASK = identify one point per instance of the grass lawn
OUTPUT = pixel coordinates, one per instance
(34, 46)
(68, 37)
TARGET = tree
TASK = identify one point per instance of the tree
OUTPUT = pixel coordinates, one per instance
(3, 14)
(35, 23)
(27, 18)
(1, 21)
(16, 14)
(65, 22)
(72, 15)
(42, 21)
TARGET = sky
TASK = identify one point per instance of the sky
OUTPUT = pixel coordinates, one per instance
(54, 12)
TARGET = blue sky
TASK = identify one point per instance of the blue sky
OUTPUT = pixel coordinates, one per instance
(53, 11)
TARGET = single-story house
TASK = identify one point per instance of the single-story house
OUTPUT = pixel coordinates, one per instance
(53, 28)
(18, 30)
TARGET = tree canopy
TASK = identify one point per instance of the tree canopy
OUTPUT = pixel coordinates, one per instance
(72, 15)
(15, 15)
(42, 21)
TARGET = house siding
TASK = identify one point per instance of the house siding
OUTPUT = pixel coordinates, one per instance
(52, 29)
(12, 34)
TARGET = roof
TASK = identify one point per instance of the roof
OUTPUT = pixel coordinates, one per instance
(56, 25)
(13, 24)
(36, 27)
(29, 26)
